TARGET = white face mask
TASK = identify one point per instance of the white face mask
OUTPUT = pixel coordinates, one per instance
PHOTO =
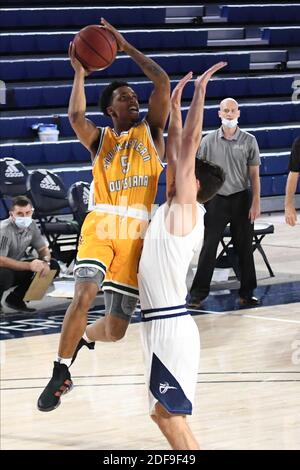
(230, 123)
(23, 222)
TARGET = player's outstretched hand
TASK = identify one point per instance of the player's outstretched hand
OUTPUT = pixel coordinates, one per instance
(177, 92)
(77, 66)
(202, 81)
(121, 41)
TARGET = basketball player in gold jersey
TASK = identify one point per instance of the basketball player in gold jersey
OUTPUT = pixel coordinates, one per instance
(126, 168)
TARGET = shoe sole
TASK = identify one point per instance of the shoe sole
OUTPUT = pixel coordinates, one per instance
(59, 401)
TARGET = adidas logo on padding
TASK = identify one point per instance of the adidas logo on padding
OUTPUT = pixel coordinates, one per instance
(12, 171)
(49, 183)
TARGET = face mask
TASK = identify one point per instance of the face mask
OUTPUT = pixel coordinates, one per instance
(231, 123)
(23, 222)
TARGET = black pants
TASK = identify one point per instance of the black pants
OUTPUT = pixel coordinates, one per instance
(20, 279)
(220, 211)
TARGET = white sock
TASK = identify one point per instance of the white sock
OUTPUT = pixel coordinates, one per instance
(67, 361)
(86, 338)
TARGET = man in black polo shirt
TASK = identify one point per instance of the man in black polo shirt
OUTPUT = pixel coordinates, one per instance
(291, 184)
(17, 233)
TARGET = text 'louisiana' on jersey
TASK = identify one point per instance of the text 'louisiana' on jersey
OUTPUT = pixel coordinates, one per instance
(126, 168)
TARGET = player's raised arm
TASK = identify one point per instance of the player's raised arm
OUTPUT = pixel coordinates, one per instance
(159, 101)
(174, 134)
(185, 180)
(86, 131)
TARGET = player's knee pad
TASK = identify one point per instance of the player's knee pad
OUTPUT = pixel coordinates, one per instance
(119, 305)
(88, 274)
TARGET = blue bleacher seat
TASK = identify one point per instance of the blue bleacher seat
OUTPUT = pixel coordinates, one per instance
(70, 151)
(12, 127)
(71, 16)
(288, 35)
(275, 13)
(49, 95)
(274, 164)
(278, 185)
(276, 137)
(172, 63)
(261, 113)
(58, 41)
(20, 126)
(275, 185)
(42, 153)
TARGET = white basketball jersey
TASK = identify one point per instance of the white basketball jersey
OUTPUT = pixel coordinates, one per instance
(164, 264)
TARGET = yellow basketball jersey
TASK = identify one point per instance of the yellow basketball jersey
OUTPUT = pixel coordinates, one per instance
(126, 168)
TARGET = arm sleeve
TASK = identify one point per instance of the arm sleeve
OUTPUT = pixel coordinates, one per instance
(38, 240)
(294, 162)
(254, 157)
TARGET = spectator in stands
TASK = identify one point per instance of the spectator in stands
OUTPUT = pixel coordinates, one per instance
(17, 233)
(291, 184)
(237, 153)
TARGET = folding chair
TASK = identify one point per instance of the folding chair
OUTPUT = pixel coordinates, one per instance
(49, 198)
(260, 231)
(78, 197)
(13, 178)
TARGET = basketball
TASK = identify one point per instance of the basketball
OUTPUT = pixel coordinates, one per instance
(95, 47)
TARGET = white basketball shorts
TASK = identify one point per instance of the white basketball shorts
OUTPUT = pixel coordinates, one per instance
(171, 354)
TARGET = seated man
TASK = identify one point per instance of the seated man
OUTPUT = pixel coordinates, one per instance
(17, 233)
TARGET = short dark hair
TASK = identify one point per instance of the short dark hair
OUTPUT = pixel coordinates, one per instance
(21, 201)
(211, 178)
(106, 97)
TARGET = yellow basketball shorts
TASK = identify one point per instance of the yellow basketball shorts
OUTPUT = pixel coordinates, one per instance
(113, 244)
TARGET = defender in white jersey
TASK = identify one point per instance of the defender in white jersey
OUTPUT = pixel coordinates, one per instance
(170, 336)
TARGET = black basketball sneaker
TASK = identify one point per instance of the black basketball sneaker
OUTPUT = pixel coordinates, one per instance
(59, 384)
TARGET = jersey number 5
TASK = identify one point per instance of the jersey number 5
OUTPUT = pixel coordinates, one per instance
(124, 164)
